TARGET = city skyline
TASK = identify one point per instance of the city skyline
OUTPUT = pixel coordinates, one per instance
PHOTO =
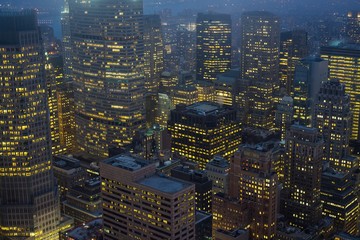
(179, 120)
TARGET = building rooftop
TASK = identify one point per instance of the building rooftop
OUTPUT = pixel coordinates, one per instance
(91, 230)
(234, 233)
(219, 161)
(66, 162)
(126, 162)
(164, 184)
(201, 216)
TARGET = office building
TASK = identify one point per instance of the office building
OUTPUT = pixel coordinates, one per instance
(203, 186)
(303, 168)
(213, 45)
(186, 48)
(260, 43)
(332, 118)
(66, 108)
(310, 72)
(153, 52)
(227, 87)
(202, 130)
(107, 60)
(343, 65)
(293, 47)
(228, 214)
(29, 205)
(217, 171)
(54, 78)
(158, 107)
(139, 204)
(353, 27)
(203, 224)
(83, 202)
(184, 94)
(66, 42)
(340, 200)
(254, 182)
(68, 173)
(284, 116)
(206, 91)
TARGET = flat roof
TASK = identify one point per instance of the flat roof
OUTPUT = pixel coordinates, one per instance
(126, 162)
(204, 107)
(164, 184)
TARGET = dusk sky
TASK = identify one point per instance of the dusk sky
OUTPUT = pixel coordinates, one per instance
(307, 6)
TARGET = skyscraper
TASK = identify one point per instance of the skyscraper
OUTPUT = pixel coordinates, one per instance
(344, 64)
(260, 42)
(284, 115)
(353, 26)
(293, 47)
(254, 182)
(309, 73)
(66, 41)
(332, 117)
(28, 195)
(107, 54)
(303, 168)
(213, 45)
(204, 129)
(153, 52)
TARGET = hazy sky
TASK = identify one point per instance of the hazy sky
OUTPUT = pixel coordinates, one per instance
(307, 6)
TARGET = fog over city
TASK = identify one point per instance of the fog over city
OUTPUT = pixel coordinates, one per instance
(231, 6)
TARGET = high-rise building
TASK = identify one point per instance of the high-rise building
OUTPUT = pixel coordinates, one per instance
(284, 115)
(139, 204)
(206, 91)
(254, 182)
(310, 72)
(353, 26)
(260, 43)
(66, 108)
(83, 201)
(303, 168)
(228, 213)
(184, 94)
(54, 78)
(203, 185)
(227, 87)
(344, 62)
(186, 48)
(332, 117)
(204, 129)
(293, 47)
(218, 172)
(158, 107)
(66, 41)
(213, 45)
(340, 200)
(153, 52)
(107, 60)
(29, 207)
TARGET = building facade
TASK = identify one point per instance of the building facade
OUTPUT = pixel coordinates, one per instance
(202, 130)
(213, 45)
(343, 65)
(139, 204)
(310, 72)
(107, 59)
(29, 205)
(260, 43)
(303, 167)
(332, 118)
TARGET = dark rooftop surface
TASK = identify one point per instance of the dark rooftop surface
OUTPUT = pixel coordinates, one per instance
(164, 184)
